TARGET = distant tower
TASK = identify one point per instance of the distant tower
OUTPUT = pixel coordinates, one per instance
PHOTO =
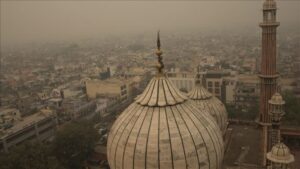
(268, 74)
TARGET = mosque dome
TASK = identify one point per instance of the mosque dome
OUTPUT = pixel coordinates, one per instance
(162, 128)
(204, 100)
(280, 153)
(277, 99)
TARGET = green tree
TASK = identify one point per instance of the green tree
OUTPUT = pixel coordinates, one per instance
(30, 155)
(231, 111)
(74, 143)
(292, 109)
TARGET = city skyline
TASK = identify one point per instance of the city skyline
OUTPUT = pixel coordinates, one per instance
(81, 86)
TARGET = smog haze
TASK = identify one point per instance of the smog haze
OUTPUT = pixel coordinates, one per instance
(33, 21)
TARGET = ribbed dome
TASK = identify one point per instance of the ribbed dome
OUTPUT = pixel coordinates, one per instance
(205, 101)
(280, 153)
(276, 99)
(163, 129)
(160, 92)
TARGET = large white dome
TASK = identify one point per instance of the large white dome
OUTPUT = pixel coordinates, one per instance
(163, 129)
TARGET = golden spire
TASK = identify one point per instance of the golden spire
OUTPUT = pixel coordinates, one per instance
(160, 65)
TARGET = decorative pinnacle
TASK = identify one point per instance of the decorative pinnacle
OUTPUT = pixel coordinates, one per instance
(158, 52)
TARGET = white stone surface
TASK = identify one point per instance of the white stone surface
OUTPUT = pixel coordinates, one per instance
(163, 129)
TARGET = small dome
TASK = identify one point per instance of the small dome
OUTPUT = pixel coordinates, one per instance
(277, 99)
(164, 129)
(206, 101)
(280, 153)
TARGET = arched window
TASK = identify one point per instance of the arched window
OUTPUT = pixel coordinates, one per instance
(269, 16)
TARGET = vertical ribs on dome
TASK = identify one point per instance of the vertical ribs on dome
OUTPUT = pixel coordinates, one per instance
(217, 144)
(142, 115)
(160, 92)
(125, 128)
(179, 112)
(205, 100)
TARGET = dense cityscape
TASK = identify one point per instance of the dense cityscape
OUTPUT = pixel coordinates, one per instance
(60, 99)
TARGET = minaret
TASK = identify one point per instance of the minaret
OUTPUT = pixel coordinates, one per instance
(276, 112)
(280, 156)
(268, 74)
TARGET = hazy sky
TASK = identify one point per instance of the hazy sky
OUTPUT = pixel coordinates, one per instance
(34, 21)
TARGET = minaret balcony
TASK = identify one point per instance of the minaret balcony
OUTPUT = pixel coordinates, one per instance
(269, 8)
(268, 76)
(268, 24)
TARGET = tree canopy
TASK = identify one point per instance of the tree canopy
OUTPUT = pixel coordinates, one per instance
(292, 109)
(74, 143)
(30, 155)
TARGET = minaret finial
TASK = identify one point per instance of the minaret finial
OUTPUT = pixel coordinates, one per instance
(160, 65)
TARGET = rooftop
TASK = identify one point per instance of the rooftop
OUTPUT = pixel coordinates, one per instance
(244, 146)
(28, 121)
(4, 111)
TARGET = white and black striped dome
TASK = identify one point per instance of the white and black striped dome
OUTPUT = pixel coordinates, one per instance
(207, 102)
(163, 129)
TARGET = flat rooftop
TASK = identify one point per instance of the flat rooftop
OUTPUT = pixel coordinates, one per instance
(27, 121)
(244, 147)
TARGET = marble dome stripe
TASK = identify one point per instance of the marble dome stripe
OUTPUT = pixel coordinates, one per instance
(160, 92)
(204, 100)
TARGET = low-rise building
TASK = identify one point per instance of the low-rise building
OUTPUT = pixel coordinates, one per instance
(246, 92)
(230, 85)
(39, 126)
(113, 88)
(9, 116)
(184, 81)
(214, 82)
(81, 110)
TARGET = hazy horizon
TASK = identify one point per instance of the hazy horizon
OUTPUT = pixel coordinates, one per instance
(38, 21)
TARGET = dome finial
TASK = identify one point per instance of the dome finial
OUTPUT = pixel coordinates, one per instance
(158, 40)
(160, 65)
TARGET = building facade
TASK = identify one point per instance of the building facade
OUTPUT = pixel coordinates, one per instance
(246, 92)
(39, 126)
(109, 88)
